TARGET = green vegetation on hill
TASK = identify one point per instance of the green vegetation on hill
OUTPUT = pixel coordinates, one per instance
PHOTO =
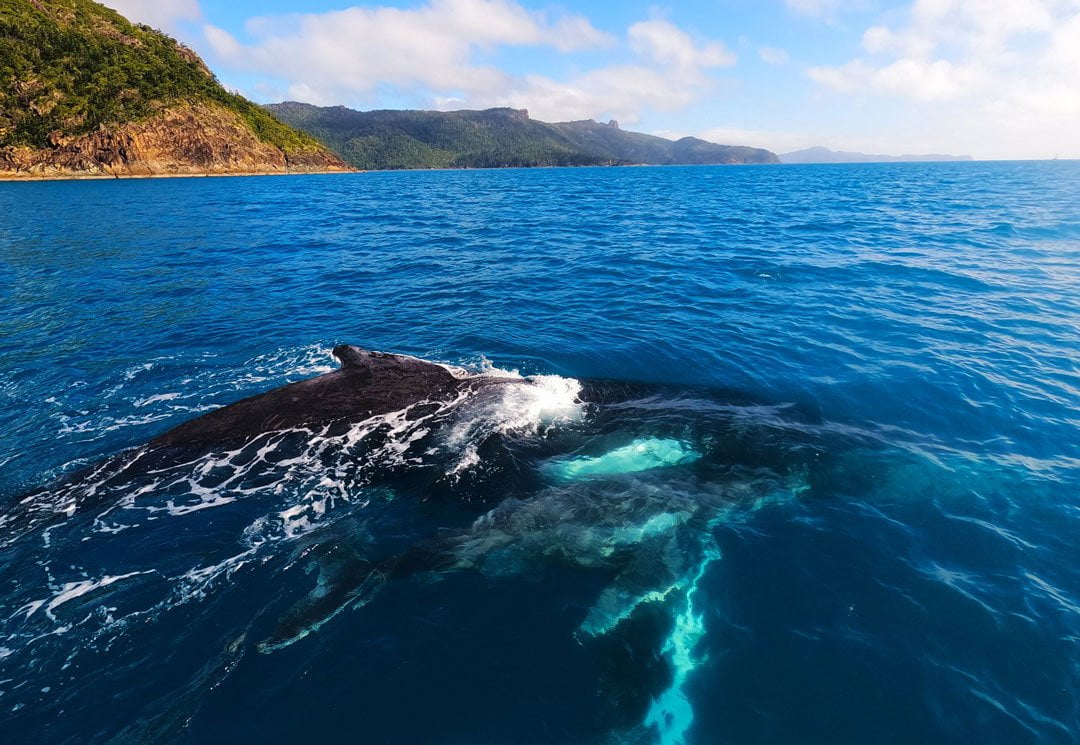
(609, 141)
(72, 66)
(431, 139)
(493, 138)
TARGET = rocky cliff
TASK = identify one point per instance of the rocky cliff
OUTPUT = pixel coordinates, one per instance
(185, 139)
(83, 92)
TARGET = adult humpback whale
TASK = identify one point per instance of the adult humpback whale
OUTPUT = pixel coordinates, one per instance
(372, 397)
(367, 384)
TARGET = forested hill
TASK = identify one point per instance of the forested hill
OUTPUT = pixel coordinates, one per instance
(494, 138)
(85, 92)
(622, 146)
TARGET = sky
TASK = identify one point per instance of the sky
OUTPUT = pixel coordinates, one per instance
(995, 79)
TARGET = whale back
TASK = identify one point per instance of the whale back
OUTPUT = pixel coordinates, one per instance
(367, 384)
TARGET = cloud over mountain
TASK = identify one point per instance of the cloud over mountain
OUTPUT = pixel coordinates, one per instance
(439, 50)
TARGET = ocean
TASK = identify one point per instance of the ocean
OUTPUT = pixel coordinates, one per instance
(794, 461)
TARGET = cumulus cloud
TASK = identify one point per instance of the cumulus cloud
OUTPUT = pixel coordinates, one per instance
(432, 52)
(773, 56)
(162, 14)
(1013, 64)
(669, 45)
(619, 92)
(826, 9)
(949, 49)
(920, 79)
(670, 73)
(358, 49)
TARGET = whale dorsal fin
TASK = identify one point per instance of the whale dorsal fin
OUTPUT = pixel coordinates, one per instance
(397, 375)
(351, 356)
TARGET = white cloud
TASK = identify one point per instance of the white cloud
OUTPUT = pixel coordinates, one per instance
(358, 49)
(813, 7)
(669, 45)
(1010, 69)
(162, 14)
(920, 79)
(825, 9)
(776, 141)
(615, 92)
(773, 56)
(670, 74)
(431, 52)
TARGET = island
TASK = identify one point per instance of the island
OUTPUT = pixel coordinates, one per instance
(494, 138)
(86, 93)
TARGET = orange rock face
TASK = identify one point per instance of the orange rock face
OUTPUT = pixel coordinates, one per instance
(200, 139)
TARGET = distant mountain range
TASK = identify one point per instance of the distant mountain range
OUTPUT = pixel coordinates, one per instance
(825, 155)
(493, 138)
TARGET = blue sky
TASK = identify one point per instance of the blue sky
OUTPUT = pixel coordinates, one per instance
(990, 78)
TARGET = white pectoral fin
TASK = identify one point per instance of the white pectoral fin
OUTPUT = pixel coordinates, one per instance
(653, 575)
(643, 454)
(618, 602)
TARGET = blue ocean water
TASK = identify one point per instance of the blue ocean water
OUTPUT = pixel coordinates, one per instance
(798, 462)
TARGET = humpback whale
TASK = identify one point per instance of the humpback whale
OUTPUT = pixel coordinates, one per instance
(395, 472)
(367, 384)
(378, 391)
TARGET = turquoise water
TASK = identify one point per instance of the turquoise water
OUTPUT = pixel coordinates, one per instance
(798, 462)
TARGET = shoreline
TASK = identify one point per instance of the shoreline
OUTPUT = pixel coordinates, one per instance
(9, 177)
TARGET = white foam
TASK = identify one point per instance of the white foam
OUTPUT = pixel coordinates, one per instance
(293, 480)
(71, 590)
(194, 583)
(540, 401)
(157, 398)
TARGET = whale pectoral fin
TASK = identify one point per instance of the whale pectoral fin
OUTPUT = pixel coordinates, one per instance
(617, 603)
(349, 583)
(643, 454)
(653, 575)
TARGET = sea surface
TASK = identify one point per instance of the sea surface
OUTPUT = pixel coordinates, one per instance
(794, 458)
